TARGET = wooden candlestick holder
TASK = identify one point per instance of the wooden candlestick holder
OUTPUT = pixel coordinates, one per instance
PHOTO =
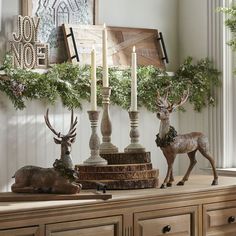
(134, 146)
(106, 127)
(94, 142)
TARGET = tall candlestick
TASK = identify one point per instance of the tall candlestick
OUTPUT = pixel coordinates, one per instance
(104, 57)
(134, 81)
(93, 97)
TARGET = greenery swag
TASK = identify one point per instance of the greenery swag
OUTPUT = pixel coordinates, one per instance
(230, 22)
(169, 138)
(72, 84)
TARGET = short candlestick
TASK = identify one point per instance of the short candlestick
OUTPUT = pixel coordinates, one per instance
(94, 142)
(106, 126)
(134, 146)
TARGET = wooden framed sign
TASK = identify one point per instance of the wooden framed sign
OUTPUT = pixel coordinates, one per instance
(54, 13)
(120, 43)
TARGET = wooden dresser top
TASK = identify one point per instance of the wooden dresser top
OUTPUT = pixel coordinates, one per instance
(197, 187)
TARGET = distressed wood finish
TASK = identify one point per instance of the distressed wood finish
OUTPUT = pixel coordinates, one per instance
(23, 197)
(158, 223)
(116, 168)
(127, 158)
(106, 125)
(147, 174)
(31, 231)
(219, 218)
(121, 184)
(120, 43)
(193, 209)
(110, 226)
(129, 172)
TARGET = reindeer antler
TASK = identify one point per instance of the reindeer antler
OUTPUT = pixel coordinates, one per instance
(183, 99)
(162, 102)
(58, 134)
(71, 133)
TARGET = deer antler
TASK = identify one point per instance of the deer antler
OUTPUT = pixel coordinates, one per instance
(162, 102)
(58, 134)
(183, 99)
(71, 133)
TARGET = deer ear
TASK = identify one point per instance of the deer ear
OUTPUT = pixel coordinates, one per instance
(57, 141)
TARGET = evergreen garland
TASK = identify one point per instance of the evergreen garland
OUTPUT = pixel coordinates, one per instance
(71, 83)
(230, 22)
(169, 138)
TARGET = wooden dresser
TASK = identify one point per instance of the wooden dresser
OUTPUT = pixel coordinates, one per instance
(194, 209)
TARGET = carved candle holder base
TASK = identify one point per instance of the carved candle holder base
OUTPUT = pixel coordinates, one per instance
(94, 142)
(106, 127)
(134, 146)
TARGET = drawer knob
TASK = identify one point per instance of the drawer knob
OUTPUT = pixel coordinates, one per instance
(231, 219)
(166, 229)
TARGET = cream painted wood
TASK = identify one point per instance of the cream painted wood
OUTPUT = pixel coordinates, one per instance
(110, 226)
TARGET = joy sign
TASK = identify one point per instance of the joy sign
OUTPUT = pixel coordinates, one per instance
(27, 51)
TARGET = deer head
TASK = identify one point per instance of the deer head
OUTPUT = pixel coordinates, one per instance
(64, 140)
(165, 108)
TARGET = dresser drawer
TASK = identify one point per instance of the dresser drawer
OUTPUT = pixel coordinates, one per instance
(107, 226)
(177, 222)
(173, 225)
(219, 219)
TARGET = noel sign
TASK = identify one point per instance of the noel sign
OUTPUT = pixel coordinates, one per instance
(27, 51)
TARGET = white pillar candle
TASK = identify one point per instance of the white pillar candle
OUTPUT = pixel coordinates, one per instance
(133, 106)
(93, 97)
(104, 57)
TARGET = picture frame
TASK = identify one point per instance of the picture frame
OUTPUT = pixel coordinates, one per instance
(53, 14)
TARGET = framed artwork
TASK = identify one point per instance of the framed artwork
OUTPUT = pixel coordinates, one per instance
(54, 13)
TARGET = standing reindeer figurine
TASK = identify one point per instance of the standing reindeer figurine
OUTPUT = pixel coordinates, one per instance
(59, 179)
(172, 144)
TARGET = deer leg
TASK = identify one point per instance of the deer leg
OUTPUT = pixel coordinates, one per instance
(167, 176)
(206, 154)
(192, 163)
(171, 179)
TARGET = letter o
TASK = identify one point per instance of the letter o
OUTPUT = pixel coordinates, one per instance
(27, 29)
(28, 56)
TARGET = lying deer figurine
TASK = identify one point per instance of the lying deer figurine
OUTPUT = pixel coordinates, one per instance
(171, 144)
(61, 178)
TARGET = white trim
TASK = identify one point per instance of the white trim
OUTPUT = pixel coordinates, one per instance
(221, 171)
(227, 86)
(227, 171)
(215, 53)
(220, 117)
(0, 15)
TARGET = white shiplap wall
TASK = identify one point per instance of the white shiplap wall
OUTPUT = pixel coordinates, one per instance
(25, 139)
